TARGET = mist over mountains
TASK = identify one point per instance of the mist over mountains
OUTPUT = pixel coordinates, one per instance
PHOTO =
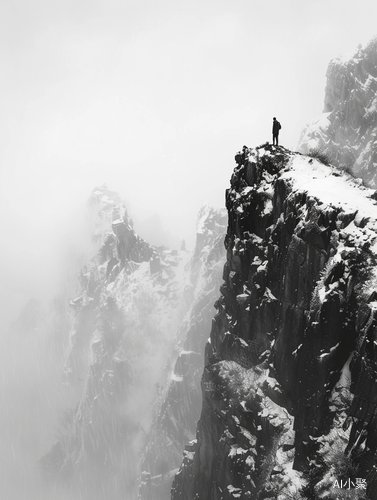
(243, 368)
(102, 360)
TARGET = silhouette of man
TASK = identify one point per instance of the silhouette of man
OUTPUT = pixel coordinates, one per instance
(275, 131)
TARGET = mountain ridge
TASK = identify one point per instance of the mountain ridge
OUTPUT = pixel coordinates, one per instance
(131, 320)
(347, 129)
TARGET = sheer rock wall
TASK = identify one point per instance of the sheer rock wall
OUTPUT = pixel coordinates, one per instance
(175, 424)
(297, 303)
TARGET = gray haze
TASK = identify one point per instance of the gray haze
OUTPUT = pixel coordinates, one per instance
(153, 99)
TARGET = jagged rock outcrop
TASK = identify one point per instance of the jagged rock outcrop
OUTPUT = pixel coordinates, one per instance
(175, 424)
(129, 245)
(347, 130)
(132, 320)
(291, 360)
(130, 305)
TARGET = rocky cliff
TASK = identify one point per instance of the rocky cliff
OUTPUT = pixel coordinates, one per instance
(289, 384)
(131, 321)
(347, 130)
(180, 405)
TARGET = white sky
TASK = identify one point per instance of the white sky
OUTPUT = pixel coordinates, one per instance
(151, 98)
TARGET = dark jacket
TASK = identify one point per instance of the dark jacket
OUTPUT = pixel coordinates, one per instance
(275, 127)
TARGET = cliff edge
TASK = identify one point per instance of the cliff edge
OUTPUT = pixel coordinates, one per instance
(289, 384)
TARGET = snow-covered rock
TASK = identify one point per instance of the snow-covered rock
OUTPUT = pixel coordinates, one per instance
(136, 334)
(347, 130)
(292, 352)
(179, 412)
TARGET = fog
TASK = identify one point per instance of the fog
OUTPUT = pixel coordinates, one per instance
(153, 99)
(32, 399)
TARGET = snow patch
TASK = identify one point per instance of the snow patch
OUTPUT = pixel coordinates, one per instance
(176, 378)
(235, 492)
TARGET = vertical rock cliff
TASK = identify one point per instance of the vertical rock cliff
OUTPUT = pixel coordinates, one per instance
(124, 319)
(347, 130)
(180, 406)
(134, 358)
(289, 387)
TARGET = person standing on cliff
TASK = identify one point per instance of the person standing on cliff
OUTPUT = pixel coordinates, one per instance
(275, 131)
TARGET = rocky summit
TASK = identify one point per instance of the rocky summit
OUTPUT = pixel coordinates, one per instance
(347, 129)
(289, 384)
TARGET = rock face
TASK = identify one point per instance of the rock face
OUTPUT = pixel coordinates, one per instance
(347, 130)
(132, 315)
(179, 412)
(124, 320)
(289, 384)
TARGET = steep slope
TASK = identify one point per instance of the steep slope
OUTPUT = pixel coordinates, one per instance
(181, 401)
(347, 129)
(289, 384)
(130, 305)
(133, 300)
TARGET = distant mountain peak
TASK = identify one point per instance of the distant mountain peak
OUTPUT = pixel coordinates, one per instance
(347, 129)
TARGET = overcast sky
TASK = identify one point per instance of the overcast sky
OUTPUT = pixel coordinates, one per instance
(151, 98)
